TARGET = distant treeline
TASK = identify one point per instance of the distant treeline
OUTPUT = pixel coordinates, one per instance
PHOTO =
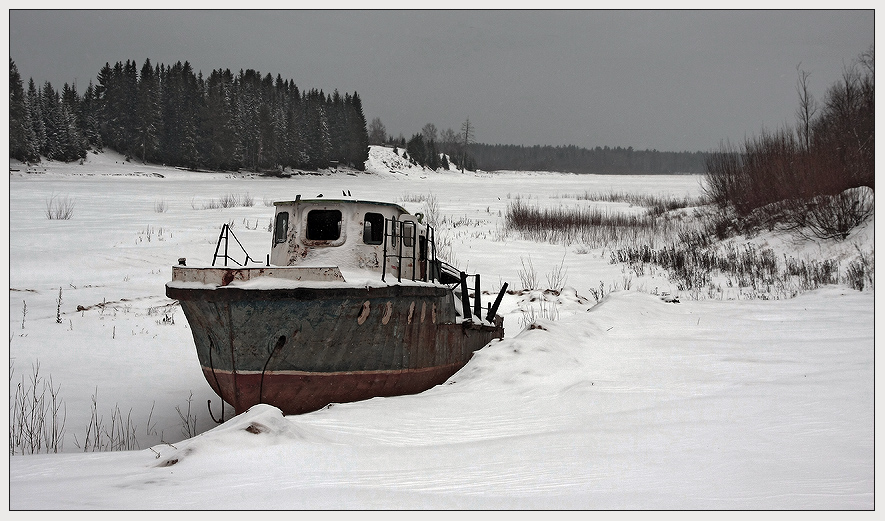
(599, 160)
(172, 115)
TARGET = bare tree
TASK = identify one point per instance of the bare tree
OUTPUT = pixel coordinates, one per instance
(448, 142)
(466, 138)
(807, 108)
(377, 132)
(429, 132)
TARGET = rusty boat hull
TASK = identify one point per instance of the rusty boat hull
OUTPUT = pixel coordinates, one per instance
(302, 348)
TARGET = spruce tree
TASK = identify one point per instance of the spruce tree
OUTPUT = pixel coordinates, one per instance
(432, 156)
(89, 119)
(322, 138)
(338, 135)
(35, 108)
(248, 103)
(22, 141)
(74, 143)
(147, 114)
(358, 136)
(220, 141)
(267, 128)
(52, 123)
(417, 150)
(129, 110)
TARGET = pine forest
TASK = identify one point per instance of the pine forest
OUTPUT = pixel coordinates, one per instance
(171, 115)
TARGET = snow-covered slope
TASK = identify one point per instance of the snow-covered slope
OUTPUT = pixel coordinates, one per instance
(636, 404)
(385, 160)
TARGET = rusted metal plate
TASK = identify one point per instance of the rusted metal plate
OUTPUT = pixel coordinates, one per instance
(298, 393)
(302, 348)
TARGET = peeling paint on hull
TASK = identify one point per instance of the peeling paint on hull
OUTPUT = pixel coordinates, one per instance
(304, 348)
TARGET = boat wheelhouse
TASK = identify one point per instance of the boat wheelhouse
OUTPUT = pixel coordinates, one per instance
(351, 303)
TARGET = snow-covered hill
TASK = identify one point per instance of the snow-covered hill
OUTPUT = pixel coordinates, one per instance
(386, 160)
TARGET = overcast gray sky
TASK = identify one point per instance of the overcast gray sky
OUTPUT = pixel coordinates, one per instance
(666, 80)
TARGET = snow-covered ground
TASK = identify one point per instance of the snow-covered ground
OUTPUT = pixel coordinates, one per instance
(626, 403)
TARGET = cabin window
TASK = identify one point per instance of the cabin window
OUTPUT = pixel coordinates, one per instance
(282, 227)
(373, 228)
(323, 225)
(408, 234)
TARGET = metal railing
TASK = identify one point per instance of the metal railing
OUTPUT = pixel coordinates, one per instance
(224, 237)
(422, 253)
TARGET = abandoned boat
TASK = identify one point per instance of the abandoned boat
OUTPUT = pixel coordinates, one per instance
(351, 303)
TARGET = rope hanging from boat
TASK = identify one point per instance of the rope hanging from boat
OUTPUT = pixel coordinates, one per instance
(217, 385)
(277, 348)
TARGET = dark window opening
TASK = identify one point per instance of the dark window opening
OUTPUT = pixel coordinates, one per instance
(323, 225)
(373, 228)
(282, 227)
(422, 247)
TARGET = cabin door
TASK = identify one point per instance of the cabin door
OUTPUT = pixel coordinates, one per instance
(401, 249)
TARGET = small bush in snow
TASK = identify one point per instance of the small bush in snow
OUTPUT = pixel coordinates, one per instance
(432, 211)
(860, 272)
(656, 204)
(834, 216)
(759, 271)
(590, 226)
(527, 275)
(188, 419)
(228, 201)
(557, 277)
(36, 416)
(59, 207)
(119, 435)
(545, 311)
